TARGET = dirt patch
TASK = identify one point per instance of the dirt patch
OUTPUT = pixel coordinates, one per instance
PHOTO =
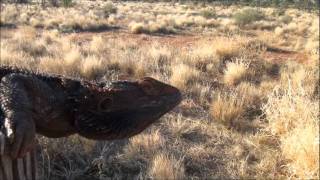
(142, 39)
(273, 55)
(283, 56)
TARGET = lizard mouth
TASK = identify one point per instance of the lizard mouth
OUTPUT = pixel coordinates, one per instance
(164, 103)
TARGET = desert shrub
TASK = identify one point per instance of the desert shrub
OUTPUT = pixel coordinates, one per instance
(208, 13)
(137, 28)
(279, 12)
(286, 19)
(160, 28)
(8, 15)
(248, 16)
(150, 28)
(67, 3)
(54, 3)
(109, 8)
(279, 31)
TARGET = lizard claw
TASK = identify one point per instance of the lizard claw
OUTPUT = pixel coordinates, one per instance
(9, 132)
(23, 139)
(26, 150)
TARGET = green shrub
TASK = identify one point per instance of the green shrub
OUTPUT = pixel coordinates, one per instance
(248, 16)
(109, 8)
(208, 13)
(279, 12)
(67, 3)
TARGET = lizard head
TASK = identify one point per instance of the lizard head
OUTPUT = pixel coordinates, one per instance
(124, 108)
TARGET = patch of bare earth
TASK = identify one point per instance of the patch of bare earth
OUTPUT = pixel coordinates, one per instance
(280, 57)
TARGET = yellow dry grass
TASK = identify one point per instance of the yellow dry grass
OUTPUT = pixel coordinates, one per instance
(148, 144)
(227, 109)
(293, 116)
(164, 167)
(235, 72)
(183, 76)
(97, 45)
(91, 67)
(136, 27)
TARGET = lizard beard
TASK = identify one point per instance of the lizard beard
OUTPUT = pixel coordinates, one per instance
(114, 125)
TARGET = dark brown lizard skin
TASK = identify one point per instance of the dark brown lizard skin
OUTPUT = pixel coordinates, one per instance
(57, 106)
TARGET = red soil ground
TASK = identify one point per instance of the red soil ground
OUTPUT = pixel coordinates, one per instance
(178, 41)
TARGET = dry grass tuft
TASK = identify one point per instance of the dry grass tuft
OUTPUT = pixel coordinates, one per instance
(252, 95)
(10, 57)
(301, 147)
(235, 72)
(151, 27)
(227, 109)
(226, 49)
(293, 116)
(91, 67)
(148, 144)
(283, 106)
(51, 65)
(97, 45)
(279, 31)
(8, 15)
(165, 167)
(137, 28)
(183, 76)
(180, 127)
(247, 16)
(72, 60)
(160, 55)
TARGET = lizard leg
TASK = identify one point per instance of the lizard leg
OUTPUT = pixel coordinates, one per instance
(6, 172)
(17, 110)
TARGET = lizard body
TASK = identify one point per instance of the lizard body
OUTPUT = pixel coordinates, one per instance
(57, 106)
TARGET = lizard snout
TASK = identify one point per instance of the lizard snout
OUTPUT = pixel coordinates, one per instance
(153, 87)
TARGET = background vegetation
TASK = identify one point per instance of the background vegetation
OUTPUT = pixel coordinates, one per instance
(306, 4)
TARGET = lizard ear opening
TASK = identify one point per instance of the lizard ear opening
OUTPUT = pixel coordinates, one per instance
(105, 104)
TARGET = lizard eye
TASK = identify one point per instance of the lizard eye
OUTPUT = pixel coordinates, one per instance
(105, 104)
